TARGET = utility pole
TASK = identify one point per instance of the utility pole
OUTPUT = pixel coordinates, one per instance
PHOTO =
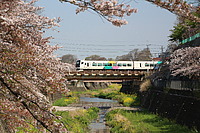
(162, 56)
(148, 46)
(162, 49)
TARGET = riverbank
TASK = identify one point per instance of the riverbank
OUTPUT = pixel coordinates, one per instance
(127, 119)
(77, 121)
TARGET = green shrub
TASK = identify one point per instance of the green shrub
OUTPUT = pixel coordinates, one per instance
(113, 92)
(127, 101)
(119, 123)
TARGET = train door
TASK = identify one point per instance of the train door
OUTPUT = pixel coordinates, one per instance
(87, 65)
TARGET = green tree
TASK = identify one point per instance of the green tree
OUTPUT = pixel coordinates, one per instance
(110, 59)
(184, 29)
(143, 55)
(95, 57)
(69, 58)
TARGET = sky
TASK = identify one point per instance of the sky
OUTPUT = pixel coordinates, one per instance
(87, 34)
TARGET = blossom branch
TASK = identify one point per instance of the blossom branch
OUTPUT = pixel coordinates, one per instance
(178, 7)
(111, 10)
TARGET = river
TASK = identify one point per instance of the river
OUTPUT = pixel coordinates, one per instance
(98, 125)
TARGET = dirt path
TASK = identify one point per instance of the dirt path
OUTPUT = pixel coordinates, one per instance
(126, 108)
(58, 108)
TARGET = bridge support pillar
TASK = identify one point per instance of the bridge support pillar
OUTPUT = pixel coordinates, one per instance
(130, 87)
(80, 84)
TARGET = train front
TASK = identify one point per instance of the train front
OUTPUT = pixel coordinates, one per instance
(78, 64)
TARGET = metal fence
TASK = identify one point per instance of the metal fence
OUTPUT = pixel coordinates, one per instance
(184, 85)
(178, 84)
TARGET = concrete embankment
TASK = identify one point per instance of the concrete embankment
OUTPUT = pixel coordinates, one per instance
(79, 85)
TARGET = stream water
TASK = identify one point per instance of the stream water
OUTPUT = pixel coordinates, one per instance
(98, 125)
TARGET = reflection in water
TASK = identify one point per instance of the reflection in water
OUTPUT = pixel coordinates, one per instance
(89, 99)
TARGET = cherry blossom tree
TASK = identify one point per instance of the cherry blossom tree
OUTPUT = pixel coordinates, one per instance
(111, 10)
(186, 62)
(178, 7)
(28, 70)
(114, 11)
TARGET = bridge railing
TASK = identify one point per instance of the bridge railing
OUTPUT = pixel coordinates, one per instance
(107, 74)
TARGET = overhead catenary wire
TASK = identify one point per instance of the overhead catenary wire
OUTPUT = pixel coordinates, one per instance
(106, 48)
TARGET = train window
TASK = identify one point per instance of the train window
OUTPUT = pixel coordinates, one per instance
(140, 64)
(114, 64)
(99, 64)
(119, 64)
(78, 63)
(94, 64)
(146, 64)
(88, 64)
(129, 65)
(152, 65)
(105, 64)
(124, 64)
(82, 62)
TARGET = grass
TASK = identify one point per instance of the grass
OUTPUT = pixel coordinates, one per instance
(113, 92)
(123, 121)
(71, 97)
(78, 121)
(120, 121)
(64, 101)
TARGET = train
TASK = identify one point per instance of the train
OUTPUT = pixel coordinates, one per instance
(116, 65)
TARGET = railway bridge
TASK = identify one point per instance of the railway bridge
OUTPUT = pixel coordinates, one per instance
(107, 75)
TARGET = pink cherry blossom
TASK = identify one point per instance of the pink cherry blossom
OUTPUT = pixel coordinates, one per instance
(29, 73)
(186, 62)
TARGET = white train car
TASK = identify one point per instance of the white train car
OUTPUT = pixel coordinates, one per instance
(145, 65)
(116, 65)
(104, 65)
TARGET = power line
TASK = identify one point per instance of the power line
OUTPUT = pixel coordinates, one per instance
(108, 49)
(105, 44)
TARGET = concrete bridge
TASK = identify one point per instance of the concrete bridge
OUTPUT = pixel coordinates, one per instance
(107, 75)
